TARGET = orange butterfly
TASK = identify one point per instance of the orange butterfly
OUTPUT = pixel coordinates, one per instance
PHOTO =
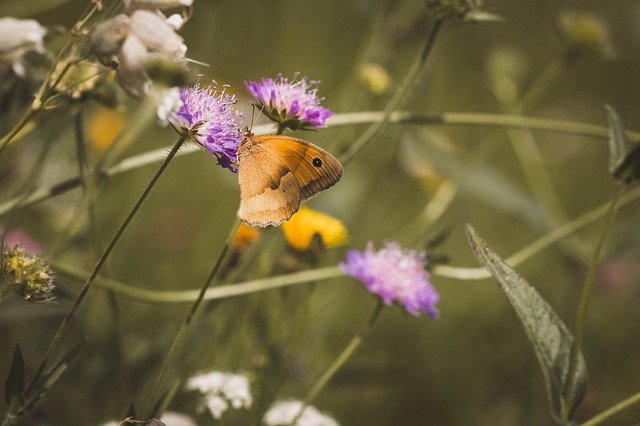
(276, 173)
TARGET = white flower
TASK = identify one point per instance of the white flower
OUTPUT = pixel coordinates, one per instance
(283, 413)
(220, 390)
(169, 101)
(17, 37)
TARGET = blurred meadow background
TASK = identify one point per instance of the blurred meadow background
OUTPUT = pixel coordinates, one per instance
(414, 182)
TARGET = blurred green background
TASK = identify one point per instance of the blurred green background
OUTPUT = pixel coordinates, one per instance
(474, 365)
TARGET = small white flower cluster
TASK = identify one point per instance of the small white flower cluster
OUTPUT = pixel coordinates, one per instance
(221, 390)
(126, 42)
(17, 37)
(284, 412)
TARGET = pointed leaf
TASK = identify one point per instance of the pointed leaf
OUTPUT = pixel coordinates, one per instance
(51, 376)
(550, 338)
(163, 402)
(624, 157)
(14, 386)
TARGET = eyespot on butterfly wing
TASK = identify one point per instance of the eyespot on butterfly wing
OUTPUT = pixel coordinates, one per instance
(276, 173)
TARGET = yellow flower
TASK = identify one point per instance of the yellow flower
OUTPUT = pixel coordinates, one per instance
(299, 231)
(375, 77)
(104, 125)
(244, 236)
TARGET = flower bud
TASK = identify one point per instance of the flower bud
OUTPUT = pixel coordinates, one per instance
(156, 34)
(27, 274)
(107, 39)
(375, 77)
(79, 78)
(17, 37)
(586, 34)
(130, 74)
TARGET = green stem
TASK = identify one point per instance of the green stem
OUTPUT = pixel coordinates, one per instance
(105, 255)
(538, 245)
(622, 405)
(344, 356)
(586, 298)
(14, 131)
(189, 296)
(398, 96)
(157, 387)
(400, 117)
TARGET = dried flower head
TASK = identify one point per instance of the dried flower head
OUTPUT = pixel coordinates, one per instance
(17, 37)
(293, 104)
(207, 116)
(454, 9)
(221, 390)
(26, 274)
(284, 412)
(585, 33)
(301, 228)
(396, 275)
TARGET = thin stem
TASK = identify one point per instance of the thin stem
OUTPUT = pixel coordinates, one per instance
(538, 245)
(586, 298)
(176, 345)
(622, 405)
(16, 129)
(398, 96)
(400, 117)
(38, 101)
(96, 270)
(344, 356)
(189, 296)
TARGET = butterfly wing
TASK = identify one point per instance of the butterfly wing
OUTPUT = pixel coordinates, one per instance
(276, 173)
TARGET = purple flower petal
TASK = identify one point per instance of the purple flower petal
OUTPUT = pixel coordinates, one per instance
(207, 115)
(396, 275)
(293, 101)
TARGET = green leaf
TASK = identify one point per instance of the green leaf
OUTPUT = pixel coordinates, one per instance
(163, 402)
(550, 338)
(48, 379)
(14, 386)
(624, 157)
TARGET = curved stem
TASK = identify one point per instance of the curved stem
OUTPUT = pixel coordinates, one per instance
(398, 96)
(176, 345)
(96, 270)
(216, 293)
(538, 245)
(344, 356)
(586, 297)
(622, 405)
(16, 129)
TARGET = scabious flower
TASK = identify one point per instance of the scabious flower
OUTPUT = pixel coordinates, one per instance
(221, 390)
(283, 412)
(293, 104)
(306, 223)
(395, 275)
(206, 114)
(17, 37)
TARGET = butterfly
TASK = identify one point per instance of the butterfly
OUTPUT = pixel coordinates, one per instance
(276, 173)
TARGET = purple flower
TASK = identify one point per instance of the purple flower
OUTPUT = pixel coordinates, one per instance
(292, 104)
(207, 116)
(395, 275)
